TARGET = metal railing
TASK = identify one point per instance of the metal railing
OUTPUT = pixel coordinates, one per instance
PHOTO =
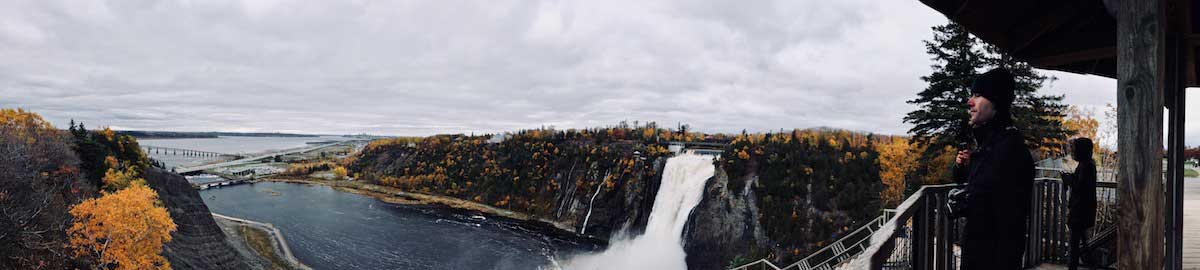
(920, 236)
(830, 256)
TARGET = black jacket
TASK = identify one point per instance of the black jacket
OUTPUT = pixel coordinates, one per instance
(1082, 187)
(999, 182)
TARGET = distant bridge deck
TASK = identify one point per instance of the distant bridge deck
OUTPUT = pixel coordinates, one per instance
(150, 149)
(203, 186)
(251, 159)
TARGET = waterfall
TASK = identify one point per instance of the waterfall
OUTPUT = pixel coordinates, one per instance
(661, 245)
(583, 230)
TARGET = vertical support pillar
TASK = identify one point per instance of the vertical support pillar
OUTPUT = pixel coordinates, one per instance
(1175, 164)
(1175, 85)
(1140, 77)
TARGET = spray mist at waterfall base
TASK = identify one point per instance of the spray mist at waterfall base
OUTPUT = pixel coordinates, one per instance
(661, 246)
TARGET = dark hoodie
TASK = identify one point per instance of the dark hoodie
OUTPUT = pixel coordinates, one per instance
(1083, 190)
(999, 182)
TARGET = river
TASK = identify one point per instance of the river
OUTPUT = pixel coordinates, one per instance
(329, 229)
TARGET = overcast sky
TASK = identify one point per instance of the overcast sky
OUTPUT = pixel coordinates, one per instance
(427, 67)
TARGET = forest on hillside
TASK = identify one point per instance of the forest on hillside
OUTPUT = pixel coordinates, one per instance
(76, 198)
(524, 170)
(812, 185)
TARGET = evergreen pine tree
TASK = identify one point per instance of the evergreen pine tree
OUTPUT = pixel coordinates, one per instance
(941, 118)
(1038, 116)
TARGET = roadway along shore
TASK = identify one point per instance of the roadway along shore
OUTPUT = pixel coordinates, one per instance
(245, 241)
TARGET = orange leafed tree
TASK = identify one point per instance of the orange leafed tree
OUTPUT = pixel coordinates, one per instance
(122, 230)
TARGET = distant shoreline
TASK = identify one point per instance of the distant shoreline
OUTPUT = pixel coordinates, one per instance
(145, 134)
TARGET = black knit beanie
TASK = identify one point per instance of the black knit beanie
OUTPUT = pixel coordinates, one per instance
(997, 86)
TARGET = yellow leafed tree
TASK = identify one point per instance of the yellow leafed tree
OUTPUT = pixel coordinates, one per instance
(339, 172)
(122, 230)
(25, 124)
(896, 161)
(115, 179)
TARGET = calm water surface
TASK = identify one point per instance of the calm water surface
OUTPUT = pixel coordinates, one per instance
(329, 229)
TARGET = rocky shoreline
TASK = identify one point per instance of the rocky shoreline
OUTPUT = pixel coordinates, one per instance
(244, 235)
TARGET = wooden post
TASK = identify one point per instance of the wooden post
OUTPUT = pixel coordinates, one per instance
(1176, 80)
(1140, 77)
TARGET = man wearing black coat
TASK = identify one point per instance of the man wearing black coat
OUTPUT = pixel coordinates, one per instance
(998, 172)
(1082, 187)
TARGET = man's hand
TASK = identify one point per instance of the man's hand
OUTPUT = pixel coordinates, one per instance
(963, 157)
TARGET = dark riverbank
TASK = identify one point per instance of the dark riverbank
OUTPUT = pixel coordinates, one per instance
(332, 229)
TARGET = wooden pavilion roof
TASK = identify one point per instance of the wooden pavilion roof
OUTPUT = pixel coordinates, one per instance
(1077, 36)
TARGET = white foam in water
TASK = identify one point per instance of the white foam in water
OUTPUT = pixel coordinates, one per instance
(661, 246)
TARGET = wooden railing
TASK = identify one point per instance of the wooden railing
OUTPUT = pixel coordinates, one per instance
(922, 236)
(1048, 218)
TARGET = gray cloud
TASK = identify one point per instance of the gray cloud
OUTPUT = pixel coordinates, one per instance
(425, 67)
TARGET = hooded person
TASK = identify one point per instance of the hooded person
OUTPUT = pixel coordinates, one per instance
(999, 174)
(1082, 188)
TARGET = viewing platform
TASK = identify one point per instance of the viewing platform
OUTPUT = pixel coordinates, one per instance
(919, 234)
(923, 236)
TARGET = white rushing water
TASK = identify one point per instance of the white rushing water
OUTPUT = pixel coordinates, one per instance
(661, 246)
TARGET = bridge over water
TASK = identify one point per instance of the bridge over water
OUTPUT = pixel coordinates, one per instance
(252, 159)
(158, 150)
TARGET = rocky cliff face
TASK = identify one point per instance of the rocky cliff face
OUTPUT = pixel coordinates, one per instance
(624, 210)
(197, 242)
(587, 185)
(724, 225)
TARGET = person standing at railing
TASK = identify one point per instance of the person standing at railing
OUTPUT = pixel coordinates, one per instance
(999, 173)
(1082, 188)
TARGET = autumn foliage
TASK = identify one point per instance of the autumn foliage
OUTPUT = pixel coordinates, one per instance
(897, 159)
(123, 230)
(305, 168)
(103, 150)
(39, 179)
(118, 179)
(44, 171)
(26, 125)
(812, 185)
(538, 171)
(339, 172)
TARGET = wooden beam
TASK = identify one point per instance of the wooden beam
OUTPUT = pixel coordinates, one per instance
(1078, 56)
(1035, 28)
(1140, 78)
